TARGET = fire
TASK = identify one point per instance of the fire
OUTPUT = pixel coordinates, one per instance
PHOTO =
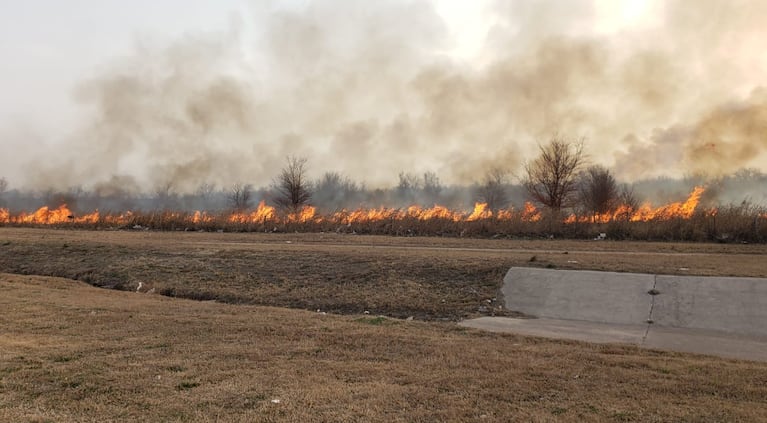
(480, 212)
(264, 214)
(47, 216)
(530, 213)
(682, 210)
(436, 212)
(645, 213)
(305, 215)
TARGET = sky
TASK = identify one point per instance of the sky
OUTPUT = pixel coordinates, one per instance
(147, 93)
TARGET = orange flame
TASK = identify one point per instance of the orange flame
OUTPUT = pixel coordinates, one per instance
(530, 213)
(480, 212)
(264, 213)
(646, 212)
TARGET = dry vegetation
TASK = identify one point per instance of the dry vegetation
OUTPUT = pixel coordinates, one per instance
(427, 278)
(71, 352)
(726, 224)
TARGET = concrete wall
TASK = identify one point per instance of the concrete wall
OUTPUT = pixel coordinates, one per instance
(731, 305)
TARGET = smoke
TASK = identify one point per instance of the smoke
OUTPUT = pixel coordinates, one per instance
(371, 89)
(731, 137)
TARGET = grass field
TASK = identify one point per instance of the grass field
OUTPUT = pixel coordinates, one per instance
(72, 352)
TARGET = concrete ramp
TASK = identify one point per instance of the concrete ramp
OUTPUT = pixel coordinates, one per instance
(711, 315)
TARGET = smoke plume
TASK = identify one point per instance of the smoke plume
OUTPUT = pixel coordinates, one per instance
(370, 89)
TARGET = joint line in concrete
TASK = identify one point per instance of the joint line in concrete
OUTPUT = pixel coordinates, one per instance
(652, 295)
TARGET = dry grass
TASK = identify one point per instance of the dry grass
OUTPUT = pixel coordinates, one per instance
(70, 352)
(730, 223)
(427, 278)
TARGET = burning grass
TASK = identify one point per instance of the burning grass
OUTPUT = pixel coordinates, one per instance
(677, 221)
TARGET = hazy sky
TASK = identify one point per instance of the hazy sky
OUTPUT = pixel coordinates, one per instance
(151, 92)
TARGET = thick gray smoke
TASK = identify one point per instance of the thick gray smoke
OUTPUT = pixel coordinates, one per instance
(367, 89)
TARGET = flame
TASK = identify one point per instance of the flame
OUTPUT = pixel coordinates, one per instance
(305, 215)
(267, 214)
(262, 214)
(202, 217)
(480, 212)
(682, 210)
(530, 213)
(646, 213)
(47, 216)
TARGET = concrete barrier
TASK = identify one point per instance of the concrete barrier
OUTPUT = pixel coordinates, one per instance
(732, 305)
(710, 315)
(725, 304)
(606, 297)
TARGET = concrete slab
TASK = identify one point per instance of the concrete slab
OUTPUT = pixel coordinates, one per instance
(708, 315)
(707, 342)
(607, 297)
(557, 328)
(733, 305)
(661, 338)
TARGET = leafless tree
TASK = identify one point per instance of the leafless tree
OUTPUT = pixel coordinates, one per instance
(334, 190)
(164, 195)
(3, 189)
(239, 196)
(292, 187)
(629, 201)
(205, 190)
(432, 187)
(407, 187)
(551, 179)
(492, 191)
(408, 181)
(598, 191)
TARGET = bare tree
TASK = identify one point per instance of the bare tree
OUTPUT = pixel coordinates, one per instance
(598, 191)
(239, 196)
(3, 188)
(407, 187)
(432, 187)
(629, 202)
(493, 189)
(205, 190)
(164, 195)
(334, 190)
(292, 187)
(551, 179)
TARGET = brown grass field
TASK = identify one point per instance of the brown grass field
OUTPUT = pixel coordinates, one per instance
(73, 352)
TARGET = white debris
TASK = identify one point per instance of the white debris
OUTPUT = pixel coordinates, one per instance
(275, 401)
(140, 284)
